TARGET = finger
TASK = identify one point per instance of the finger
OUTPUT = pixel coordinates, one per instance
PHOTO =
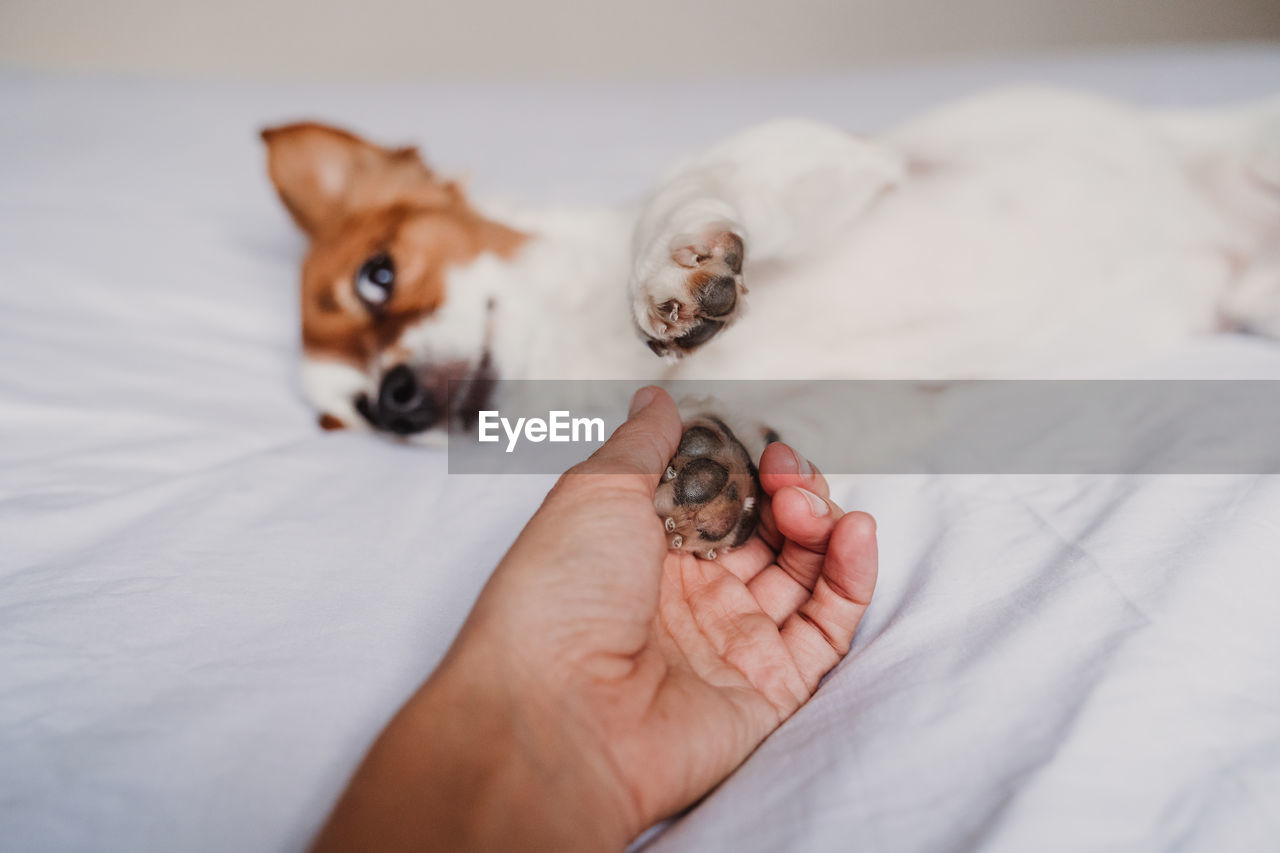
(763, 550)
(819, 633)
(644, 444)
(806, 522)
(747, 561)
(766, 527)
(781, 465)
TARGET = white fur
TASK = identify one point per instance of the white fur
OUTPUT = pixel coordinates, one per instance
(451, 333)
(332, 386)
(1023, 234)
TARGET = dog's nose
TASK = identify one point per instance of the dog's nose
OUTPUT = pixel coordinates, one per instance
(718, 296)
(403, 405)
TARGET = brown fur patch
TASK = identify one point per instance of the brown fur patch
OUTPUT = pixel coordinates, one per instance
(422, 242)
(356, 199)
(331, 422)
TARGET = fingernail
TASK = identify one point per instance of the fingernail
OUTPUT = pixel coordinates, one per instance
(817, 506)
(642, 399)
(803, 468)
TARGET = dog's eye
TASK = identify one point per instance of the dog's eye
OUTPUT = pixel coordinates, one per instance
(375, 280)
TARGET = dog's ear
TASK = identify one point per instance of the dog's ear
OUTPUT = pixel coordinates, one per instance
(324, 174)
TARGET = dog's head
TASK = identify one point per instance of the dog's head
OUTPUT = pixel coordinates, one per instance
(387, 342)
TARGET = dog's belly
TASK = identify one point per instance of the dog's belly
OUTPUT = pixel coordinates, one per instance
(1048, 264)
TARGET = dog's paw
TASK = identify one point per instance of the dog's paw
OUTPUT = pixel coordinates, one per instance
(686, 297)
(708, 498)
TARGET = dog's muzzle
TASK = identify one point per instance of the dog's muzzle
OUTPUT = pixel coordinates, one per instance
(443, 396)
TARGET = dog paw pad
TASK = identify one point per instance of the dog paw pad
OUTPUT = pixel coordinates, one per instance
(707, 498)
(694, 294)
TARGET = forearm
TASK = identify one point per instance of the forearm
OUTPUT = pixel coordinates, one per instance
(465, 765)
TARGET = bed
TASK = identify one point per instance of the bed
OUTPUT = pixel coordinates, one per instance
(208, 607)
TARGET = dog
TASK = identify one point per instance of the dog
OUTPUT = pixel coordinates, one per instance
(1017, 234)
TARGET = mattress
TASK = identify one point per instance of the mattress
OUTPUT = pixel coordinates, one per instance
(208, 607)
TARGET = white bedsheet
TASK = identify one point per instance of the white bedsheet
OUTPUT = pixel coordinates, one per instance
(208, 607)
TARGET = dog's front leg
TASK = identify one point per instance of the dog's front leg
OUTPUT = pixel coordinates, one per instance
(772, 192)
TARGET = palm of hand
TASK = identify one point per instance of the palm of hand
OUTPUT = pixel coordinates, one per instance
(736, 644)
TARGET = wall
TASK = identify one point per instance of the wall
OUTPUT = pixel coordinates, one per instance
(362, 39)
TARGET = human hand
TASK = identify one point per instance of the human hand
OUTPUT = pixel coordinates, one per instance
(603, 682)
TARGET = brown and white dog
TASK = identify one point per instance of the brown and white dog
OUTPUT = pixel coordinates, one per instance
(1027, 234)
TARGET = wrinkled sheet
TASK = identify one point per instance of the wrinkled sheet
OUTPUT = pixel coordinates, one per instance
(208, 607)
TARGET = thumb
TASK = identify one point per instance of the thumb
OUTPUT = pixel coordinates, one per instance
(645, 443)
